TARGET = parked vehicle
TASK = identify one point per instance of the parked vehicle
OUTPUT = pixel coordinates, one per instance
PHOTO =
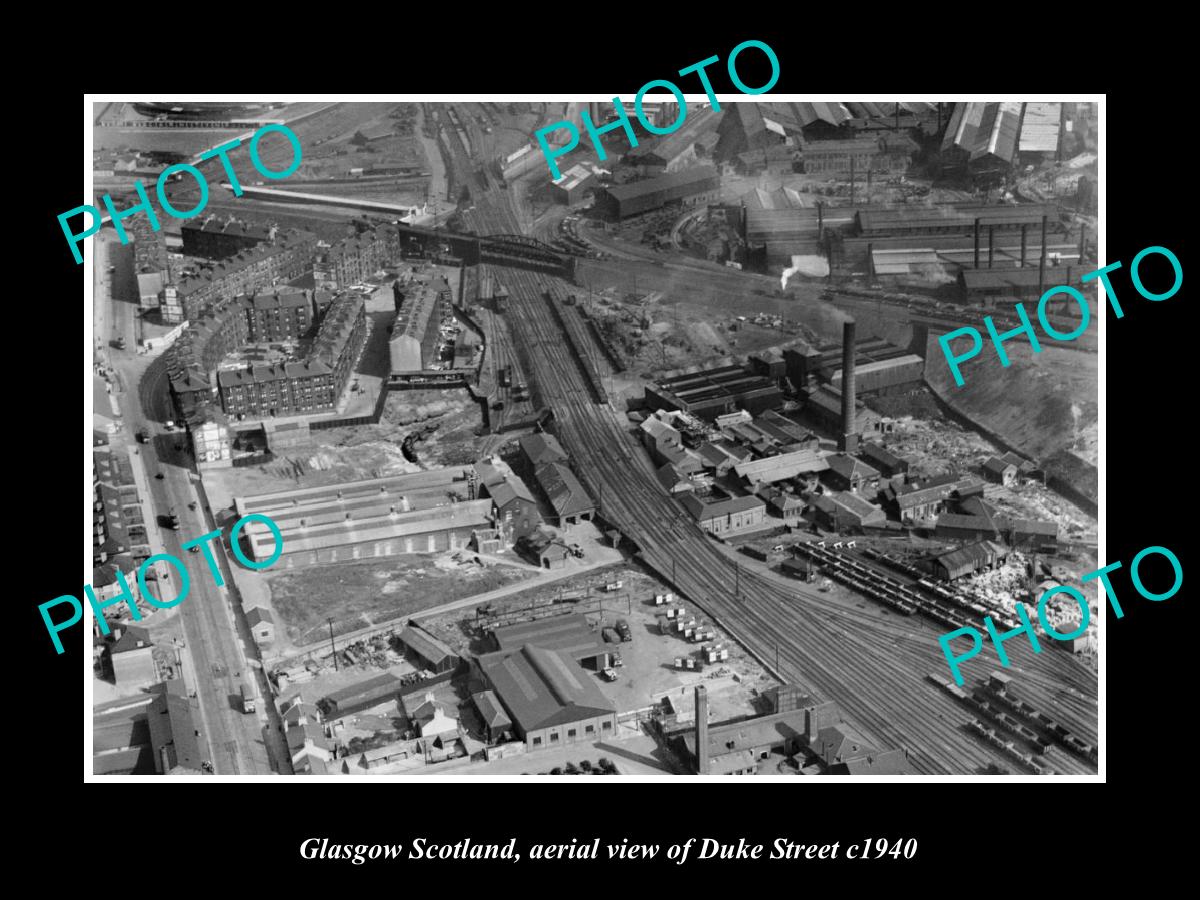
(615, 586)
(624, 630)
(611, 635)
(249, 696)
(610, 674)
(616, 659)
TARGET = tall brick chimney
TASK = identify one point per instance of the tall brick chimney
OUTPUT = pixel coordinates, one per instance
(849, 440)
(701, 730)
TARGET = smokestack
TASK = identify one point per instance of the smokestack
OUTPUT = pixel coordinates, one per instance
(1042, 261)
(701, 730)
(849, 441)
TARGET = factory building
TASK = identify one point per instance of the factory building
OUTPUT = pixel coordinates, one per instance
(708, 393)
(784, 467)
(737, 747)
(570, 501)
(982, 138)
(362, 695)
(1029, 283)
(516, 509)
(572, 187)
(548, 698)
(968, 560)
(843, 511)
(416, 332)
(887, 154)
(728, 516)
(953, 218)
(571, 635)
(880, 367)
(422, 512)
(879, 457)
(689, 187)
(430, 652)
(846, 473)
(675, 151)
(744, 129)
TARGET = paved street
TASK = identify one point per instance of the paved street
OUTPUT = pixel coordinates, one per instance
(215, 632)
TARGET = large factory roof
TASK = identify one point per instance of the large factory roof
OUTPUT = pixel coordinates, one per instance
(570, 635)
(685, 178)
(704, 509)
(390, 489)
(780, 468)
(750, 734)
(1000, 279)
(541, 688)
(566, 494)
(1040, 128)
(878, 221)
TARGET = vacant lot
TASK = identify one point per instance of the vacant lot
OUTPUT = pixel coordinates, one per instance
(360, 594)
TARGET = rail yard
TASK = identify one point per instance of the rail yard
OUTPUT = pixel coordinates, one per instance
(802, 489)
(874, 670)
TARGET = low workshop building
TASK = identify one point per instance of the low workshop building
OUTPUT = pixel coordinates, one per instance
(549, 698)
(968, 560)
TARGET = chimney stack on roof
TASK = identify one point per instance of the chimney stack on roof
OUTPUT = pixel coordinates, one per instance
(701, 730)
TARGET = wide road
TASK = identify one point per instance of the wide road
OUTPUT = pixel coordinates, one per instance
(217, 638)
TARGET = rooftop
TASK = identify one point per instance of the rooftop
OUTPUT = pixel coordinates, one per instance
(540, 688)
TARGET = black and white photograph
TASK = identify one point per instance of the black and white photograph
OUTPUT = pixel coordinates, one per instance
(497, 440)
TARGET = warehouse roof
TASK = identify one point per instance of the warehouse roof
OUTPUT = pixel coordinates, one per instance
(1040, 128)
(377, 689)
(780, 468)
(570, 634)
(997, 466)
(880, 455)
(541, 688)
(973, 555)
(848, 467)
(965, 522)
(425, 645)
(748, 734)
(634, 189)
(566, 494)
(541, 448)
(1033, 526)
(703, 509)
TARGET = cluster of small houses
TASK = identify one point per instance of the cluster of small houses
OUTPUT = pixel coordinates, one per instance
(743, 473)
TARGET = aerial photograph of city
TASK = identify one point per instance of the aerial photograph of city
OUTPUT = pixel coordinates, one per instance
(485, 439)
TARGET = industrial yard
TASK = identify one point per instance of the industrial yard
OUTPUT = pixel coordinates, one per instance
(658, 461)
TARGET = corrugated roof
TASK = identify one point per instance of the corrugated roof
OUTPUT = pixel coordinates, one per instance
(1040, 127)
(540, 688)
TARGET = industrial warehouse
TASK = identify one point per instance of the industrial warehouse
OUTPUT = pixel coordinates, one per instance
(653, 468)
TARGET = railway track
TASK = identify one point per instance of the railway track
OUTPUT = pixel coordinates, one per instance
(872, 664)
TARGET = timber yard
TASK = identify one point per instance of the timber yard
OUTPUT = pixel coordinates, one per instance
(653, 468)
